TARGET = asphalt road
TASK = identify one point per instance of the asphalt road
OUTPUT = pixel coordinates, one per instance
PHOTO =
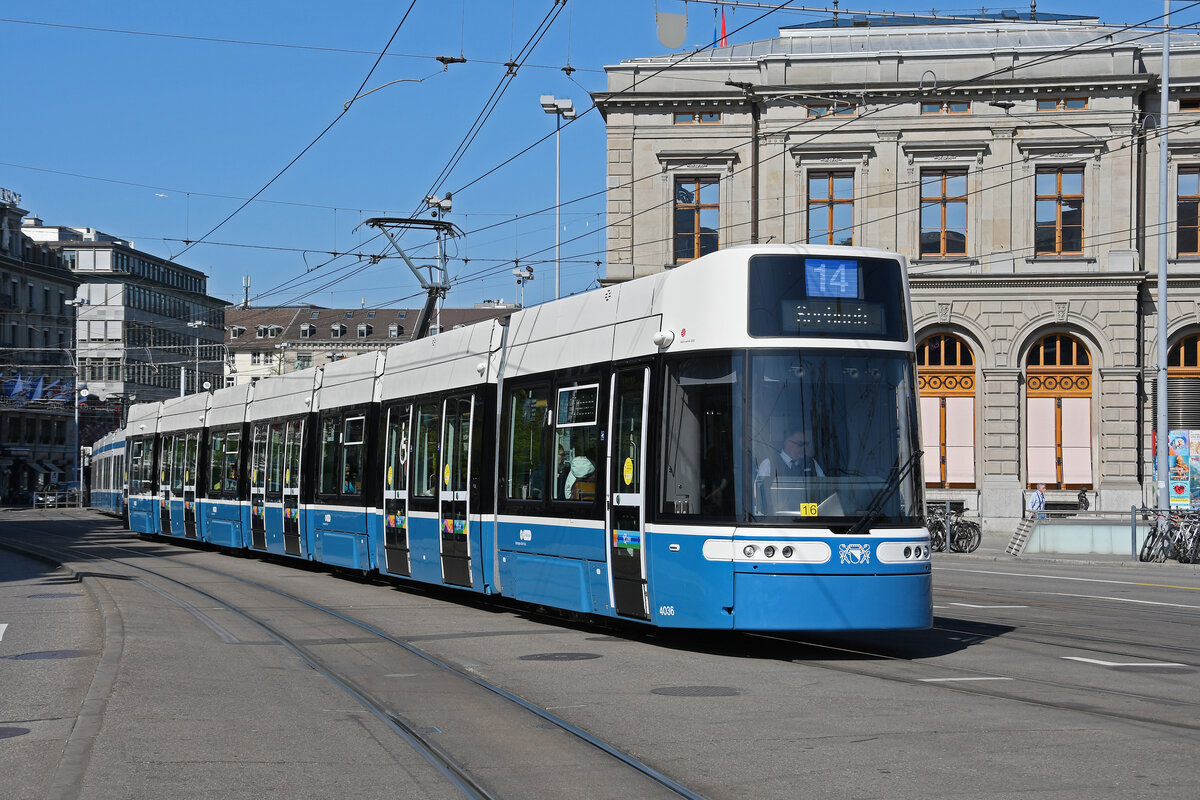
(1041, 678)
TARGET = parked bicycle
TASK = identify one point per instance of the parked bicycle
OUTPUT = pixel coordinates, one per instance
(963, 535)
(1173, 535)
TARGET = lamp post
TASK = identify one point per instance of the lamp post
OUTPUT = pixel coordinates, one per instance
(197, 325)
(561, 109)
(78, 392)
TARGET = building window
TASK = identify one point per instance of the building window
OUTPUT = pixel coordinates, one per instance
(1062, 103)
(370, 315)
(364, 330)
(697, 117)
(1191, 104)
(394, 331)
(1058, 216)
(307, 331)
(256, 358)
(831, 207)
(1058, 385)
(946, 375)
(236, 332)
(943, 212)
(697, 207)
(314, 315)
(832, 109)
(336, 331)
(1187, 236)
(946, 107)
(303, 360)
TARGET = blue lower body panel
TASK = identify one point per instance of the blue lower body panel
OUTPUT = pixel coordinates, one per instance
(765, 601)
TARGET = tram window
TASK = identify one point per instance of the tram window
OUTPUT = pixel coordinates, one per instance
(425, 478)
(216, 461)
(295, 438)
(329, 455)
(397, 450)
(703, 453)
(527, 471)
(135, 466)
(577, 438)
(230, 467)
(191, 464)
(179, 463)
(275, 459)
(258, 472)
(352, 455)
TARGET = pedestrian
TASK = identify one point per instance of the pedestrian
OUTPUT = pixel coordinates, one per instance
(1037, 502)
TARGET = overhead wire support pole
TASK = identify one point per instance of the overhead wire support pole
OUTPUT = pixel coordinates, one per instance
(1164, 499)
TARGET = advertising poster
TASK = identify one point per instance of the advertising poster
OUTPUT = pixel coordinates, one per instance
(1179, 479)
(1194, 466)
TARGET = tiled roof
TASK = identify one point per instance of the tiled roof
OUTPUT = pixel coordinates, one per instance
(289, 321)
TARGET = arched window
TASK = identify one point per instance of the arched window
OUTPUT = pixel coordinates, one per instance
(1183, 385)
(1058, 389)
(946, 374)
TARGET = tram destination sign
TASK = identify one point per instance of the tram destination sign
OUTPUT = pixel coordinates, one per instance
(808, 295)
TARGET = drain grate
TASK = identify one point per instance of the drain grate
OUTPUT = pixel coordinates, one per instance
(696, 691)
(10, 733)
(43, 654)
(559, 656)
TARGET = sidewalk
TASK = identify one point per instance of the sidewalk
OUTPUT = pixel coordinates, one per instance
(992, 548)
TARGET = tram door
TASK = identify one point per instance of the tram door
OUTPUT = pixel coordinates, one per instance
(191, 455)
(258, 488)
(166, 455)
(455, 490)
(395, 494)
(626, 493)
(293, 447)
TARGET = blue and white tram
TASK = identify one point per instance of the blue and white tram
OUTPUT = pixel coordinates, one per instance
(107, 484)
(729, 445)
(141, 478)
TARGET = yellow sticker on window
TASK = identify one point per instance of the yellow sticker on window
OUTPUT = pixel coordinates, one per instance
(627, 474)
(808, 509)
(390, 477)
(446, 478)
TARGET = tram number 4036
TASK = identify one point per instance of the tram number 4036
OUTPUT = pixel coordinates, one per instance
(666, 611)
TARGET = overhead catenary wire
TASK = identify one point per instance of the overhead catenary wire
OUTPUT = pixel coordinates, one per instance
(345, 110)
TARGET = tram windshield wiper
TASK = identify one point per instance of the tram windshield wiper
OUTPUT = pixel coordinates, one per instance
(898, 474)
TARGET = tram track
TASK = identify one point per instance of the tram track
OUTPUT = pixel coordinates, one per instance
(460, 769)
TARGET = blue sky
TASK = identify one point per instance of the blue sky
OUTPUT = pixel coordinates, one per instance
(157, 138)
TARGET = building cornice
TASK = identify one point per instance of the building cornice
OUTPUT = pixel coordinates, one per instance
(939, 283)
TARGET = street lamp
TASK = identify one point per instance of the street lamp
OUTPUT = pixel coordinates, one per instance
(197, 325)
(79, 392)
(561, 109)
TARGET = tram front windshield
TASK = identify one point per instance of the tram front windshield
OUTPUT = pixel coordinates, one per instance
(792, 437)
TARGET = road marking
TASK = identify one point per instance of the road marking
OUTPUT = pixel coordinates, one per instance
(1123, 663)
(3, 628)
(972, 605)
(1062, 578)
(952, 680)
(1119, 599)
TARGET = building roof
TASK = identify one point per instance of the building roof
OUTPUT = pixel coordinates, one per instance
(288, 320)
(914, 35)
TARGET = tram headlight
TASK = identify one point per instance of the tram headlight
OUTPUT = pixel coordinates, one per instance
(787, 551)
(769, 551)
(749, 550)
(908, 552)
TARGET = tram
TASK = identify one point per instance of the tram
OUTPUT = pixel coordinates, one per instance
(107, 482)
(731, 444)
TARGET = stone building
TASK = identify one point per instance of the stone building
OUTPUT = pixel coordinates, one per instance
(146, 327)
(1013, 159)
(37, 376)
